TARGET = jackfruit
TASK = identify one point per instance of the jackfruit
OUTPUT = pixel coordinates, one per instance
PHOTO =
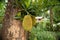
(33, 20)
(27, 22)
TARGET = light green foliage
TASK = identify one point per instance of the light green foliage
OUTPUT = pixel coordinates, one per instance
(2, 7)
(40, 33)
(24, 3)
(2, 10)
(27, 3)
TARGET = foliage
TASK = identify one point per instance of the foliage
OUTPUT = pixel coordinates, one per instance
(56, 11)
(2, 7)
(2, 10)
(42, 30)
(39, 33)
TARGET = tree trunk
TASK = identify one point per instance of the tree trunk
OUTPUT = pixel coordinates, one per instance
(51, 19)
(12, 29)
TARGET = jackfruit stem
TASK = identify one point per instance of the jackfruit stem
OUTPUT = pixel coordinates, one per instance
(27, 12)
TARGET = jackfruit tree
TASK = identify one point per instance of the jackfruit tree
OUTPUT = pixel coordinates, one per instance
(18, 17)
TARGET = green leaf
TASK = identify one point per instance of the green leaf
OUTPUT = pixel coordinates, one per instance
(27, 3)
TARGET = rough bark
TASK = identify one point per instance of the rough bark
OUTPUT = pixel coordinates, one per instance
(12, 29)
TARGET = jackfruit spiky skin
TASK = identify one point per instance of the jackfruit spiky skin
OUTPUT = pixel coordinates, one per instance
(27, 22)
(33, 20)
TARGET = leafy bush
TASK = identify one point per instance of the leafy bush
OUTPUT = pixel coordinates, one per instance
(40, 33)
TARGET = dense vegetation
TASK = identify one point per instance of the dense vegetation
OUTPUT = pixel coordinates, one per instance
(48, 28)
